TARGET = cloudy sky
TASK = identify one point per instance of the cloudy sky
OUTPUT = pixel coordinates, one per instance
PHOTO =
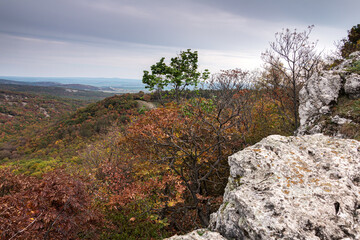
(121, 38)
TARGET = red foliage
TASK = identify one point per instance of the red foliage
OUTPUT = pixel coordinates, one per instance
(55, 207)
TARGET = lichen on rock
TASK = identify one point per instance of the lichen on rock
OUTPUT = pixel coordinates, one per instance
(304, 187)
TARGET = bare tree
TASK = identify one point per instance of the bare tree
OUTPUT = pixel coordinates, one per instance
(293, 55)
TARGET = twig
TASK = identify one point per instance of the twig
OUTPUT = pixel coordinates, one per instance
(46, 235)
(26, 227)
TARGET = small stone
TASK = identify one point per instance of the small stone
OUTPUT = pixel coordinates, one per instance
(199, 234)
(338, 120)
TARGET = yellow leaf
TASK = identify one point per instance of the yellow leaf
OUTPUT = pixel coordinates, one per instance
(171, 203)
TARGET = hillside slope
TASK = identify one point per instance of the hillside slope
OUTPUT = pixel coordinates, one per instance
(23, 116)
(72, 92)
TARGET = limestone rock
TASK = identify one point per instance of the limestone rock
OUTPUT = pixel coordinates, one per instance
(304, 187)
(200, 234)
(352, 85)
(339, 120)
(316, 96)
(321, 93)
(355, 56)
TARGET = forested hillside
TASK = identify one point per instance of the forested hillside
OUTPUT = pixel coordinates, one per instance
(24, 115)
(70, 92)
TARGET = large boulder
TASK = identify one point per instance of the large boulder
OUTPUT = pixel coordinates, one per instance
(321, 93)
(305, 187)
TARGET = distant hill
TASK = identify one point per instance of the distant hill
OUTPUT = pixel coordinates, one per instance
(56, 84)
(116, 85)
(51, 84)
(75, 91)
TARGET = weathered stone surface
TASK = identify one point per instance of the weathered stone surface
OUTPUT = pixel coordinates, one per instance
(200, 234)
(321, 93)
(352, 86)
(304, 187)
(316, 96)
(355, 56)
(339, 120)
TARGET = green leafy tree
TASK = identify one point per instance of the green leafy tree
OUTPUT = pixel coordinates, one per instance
(351, 43)
(181, 73)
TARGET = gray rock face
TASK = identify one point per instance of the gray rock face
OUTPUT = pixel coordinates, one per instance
(322, 91)
(200, 234)
(352, 85)
(304, 187)
(317, 94)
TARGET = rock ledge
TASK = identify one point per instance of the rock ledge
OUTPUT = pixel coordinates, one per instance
(304, 187)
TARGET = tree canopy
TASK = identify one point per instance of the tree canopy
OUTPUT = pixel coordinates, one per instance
(181, 73)
(352, 42)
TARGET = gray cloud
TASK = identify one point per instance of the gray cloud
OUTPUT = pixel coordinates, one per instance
(137, 29)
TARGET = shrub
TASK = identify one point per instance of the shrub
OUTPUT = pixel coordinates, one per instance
(355, 68)
(350, 130)
(55, 207)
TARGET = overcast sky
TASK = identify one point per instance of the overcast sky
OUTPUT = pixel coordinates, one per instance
(121, 38)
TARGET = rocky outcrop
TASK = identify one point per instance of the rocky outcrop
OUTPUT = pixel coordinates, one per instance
(322, 92)
(317, 96)
(200, 234)
(305, 187)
